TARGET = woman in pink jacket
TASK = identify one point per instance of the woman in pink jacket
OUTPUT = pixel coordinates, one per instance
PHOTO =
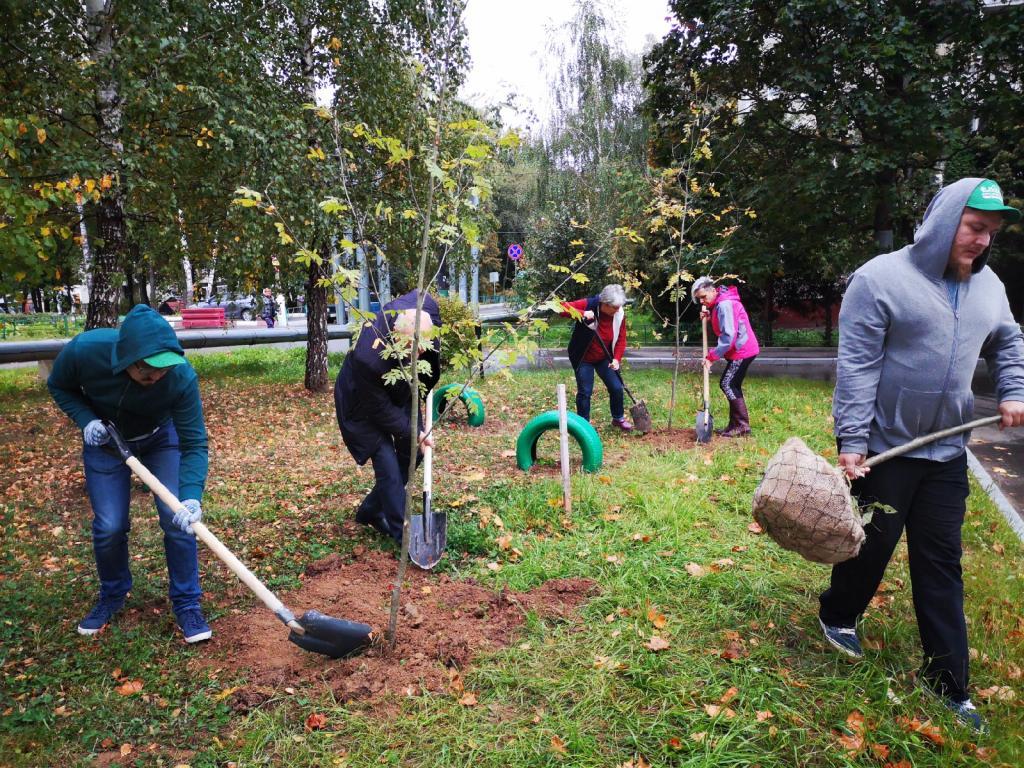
(737, 345)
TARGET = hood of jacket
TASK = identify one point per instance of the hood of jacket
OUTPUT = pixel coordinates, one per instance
(726, 293)
(933, 240)
(143, 333)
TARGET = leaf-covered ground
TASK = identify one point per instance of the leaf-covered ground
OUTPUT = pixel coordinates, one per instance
(700, 645)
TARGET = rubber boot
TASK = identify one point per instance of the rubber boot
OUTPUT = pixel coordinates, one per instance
(742, 425)
(732, 420)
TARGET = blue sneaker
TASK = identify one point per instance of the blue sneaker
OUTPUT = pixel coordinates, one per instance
(843, 639)
(193, 626)
(100, 615)
(964, 711)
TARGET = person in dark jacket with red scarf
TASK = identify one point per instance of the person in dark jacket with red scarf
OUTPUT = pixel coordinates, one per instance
(374, 416)
(602, 316)
(737, 345)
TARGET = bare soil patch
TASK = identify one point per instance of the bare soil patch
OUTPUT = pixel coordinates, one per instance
(444, 623)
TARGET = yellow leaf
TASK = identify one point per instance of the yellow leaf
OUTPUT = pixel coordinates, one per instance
(181, 87)
(225, 693)
(468, 699)
(126, 749)
(335, 44)
(41, 134)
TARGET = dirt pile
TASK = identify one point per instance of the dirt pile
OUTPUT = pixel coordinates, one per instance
(444, 622)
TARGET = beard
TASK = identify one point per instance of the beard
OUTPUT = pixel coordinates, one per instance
(961, 272)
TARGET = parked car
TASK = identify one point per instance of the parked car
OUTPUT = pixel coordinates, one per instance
(237, 306)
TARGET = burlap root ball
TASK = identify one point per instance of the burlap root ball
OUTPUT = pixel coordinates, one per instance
(804, 504)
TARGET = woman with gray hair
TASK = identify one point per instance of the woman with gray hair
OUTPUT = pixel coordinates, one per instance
(603, 320)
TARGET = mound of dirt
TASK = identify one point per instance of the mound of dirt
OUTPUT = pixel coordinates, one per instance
(664, 440)
(443, 624)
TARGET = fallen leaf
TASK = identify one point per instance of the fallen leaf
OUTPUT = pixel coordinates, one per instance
(695, 570)
(495, 567)
(504, 542)
(755, 528)
(468, 699)
(699, 737)
(657, 619)
(998, 692)
(316, 721)
(675, 743)
(129, 688)
(925, 729)
(657, 643)
(852, 743)
(729, 695)
(225, 693)
(126, 749)
(558, 745)
(880, 751)
(764, 714)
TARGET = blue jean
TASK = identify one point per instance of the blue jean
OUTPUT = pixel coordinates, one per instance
(108, 481)
(585, 387)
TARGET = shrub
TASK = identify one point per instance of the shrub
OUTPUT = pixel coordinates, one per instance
(458, 336)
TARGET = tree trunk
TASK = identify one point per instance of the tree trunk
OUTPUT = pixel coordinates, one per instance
(768, 312)
(129, 283)
(830, 300)
(883, 212)
(316, 323)
(110, 220)
(316, 379)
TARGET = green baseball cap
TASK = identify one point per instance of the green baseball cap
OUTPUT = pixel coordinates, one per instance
(164, 359)
(988, 197)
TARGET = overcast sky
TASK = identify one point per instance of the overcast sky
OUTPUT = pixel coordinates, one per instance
(508, 41)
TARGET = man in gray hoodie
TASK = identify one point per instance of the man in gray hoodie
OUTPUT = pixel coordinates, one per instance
(912, 326)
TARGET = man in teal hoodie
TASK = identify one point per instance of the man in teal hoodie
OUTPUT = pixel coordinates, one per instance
(137, 378)
(911, 329)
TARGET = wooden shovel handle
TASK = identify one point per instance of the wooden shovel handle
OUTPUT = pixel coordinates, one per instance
(704, 357)
(203, 533)
(925, 439)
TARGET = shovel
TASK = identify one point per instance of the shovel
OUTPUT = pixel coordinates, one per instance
(313, 631)
(704, 422)
(638, 411)
(428, 532)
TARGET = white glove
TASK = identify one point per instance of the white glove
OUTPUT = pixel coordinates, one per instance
(191, 512)
(95, 434)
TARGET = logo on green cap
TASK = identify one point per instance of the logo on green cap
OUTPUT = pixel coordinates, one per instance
(988, 197)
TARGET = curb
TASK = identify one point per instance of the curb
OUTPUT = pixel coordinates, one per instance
(998, 498)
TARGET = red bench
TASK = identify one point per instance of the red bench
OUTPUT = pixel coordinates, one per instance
(207, 317)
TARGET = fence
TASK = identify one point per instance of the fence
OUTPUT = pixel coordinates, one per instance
(39, 326)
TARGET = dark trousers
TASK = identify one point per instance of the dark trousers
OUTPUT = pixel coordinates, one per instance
(585, 388)
(387, 499)
(930, 501)
(733, 375)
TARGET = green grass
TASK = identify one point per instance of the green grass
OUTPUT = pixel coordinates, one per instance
(590, 683)
(39, 326)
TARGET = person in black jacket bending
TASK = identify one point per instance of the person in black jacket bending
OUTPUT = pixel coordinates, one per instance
(374, 416)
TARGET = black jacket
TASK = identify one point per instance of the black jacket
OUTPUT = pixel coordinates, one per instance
(369, 410)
